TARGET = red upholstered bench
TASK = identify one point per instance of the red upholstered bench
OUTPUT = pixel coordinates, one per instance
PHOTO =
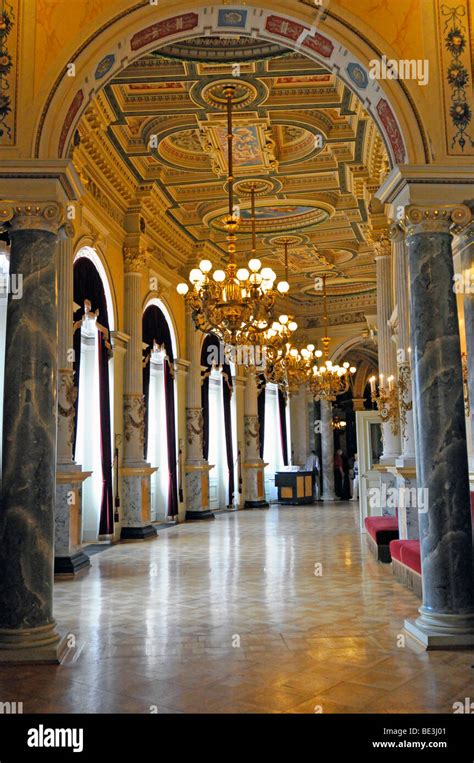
(406, 563)
(380, 531)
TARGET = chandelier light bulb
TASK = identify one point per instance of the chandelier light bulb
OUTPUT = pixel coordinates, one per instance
(305, 353)
(195, 275)
(267, 273)
(352, 369)
(243, 274)
(219, 276)
(294, 352)
(346, 364)
(283, 319)
(318, 353)
(310, 347)
(283, 287)
(255, 265)
(205, 266)
(292, 325)
(182, 288)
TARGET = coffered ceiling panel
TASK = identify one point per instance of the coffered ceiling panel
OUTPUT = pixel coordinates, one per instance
(299, 134)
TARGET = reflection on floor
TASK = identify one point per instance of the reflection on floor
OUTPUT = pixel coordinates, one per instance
(233, 616)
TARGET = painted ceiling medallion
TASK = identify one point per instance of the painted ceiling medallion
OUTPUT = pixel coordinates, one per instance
(232, 48)
(253, 146)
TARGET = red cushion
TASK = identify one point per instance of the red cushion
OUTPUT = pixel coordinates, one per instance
(396, 548)
(381, 529)
(411, 555)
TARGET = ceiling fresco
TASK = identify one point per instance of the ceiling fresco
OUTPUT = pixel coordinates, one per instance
(300, 135)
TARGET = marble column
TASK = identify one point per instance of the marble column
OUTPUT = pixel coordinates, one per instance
(386, 348)
(197, 468)
(327, 451)
(135, 471)
(358, 403)
(405, 467)
(69, 558)
(253, 466)
(447, 613)
(299, 426)
(27, 627)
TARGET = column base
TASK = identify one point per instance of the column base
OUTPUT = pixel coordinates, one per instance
(442, 631)
(329, 498)
(138, 533)
(205, 514)
(41, 645)
(70, 566)
(262, 504)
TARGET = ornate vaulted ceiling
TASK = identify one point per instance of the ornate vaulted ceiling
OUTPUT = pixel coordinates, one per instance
(300, 134)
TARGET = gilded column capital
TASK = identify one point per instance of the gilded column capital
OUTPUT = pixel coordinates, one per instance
(396, 232)
(48, 215)
(135, 259)
(437, 219)
(380, 240)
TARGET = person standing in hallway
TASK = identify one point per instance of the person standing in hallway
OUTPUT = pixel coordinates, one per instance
(312, 465)
(355, 478)
(338, 473)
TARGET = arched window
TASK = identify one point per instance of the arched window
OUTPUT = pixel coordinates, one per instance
(92, 371)
(218, 431)
(160, 419)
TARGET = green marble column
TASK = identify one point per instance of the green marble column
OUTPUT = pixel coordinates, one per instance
(27, 627)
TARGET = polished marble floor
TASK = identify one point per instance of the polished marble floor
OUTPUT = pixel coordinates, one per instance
(279, 611)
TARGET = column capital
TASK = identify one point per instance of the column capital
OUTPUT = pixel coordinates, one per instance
(45, 215)
(396, 232)
(381, 242)
(436, 219)
(135, 259)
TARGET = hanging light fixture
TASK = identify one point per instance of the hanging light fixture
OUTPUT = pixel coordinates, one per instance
(235, 303)
(327, 380)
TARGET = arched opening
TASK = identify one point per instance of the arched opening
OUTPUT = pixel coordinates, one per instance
(159, 389)
(219, 429)
(93, 378)
(326, 38)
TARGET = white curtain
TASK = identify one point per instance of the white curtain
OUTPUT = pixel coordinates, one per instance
(272, 450)
(157, 454)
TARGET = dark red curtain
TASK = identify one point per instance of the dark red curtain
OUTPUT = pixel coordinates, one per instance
(155, 329)
(88, 285)
(211, 348)
(261, 383)
(283, 432)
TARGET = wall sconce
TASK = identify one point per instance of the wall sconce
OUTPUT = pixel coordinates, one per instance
(387, 401)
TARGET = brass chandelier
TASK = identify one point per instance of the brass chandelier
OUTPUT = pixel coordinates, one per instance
(327, 381)
(236, 303)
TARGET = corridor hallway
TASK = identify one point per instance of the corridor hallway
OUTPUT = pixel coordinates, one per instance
(157, 626)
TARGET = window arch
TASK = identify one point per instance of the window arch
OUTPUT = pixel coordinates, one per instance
(159, 393)
(92, 370)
